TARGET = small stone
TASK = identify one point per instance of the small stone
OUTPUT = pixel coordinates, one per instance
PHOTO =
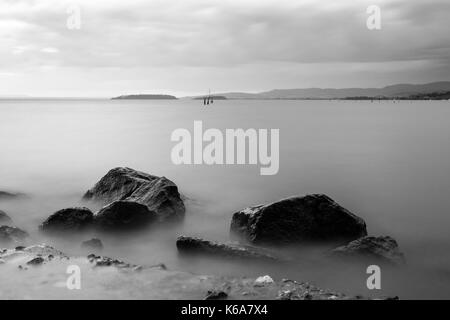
(216, 295)
(36, 261)
(263, 281)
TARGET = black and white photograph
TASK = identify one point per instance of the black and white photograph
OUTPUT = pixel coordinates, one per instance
(233, 150)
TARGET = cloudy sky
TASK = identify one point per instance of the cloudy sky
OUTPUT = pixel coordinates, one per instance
(184, 47)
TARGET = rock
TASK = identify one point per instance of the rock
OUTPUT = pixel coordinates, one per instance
(10, 195)
(4, 218)
(93, 244)
(36, 261)
(12, 234)
(158, 193)
(200, 246)
(124, 215)
(101, 261)
(216, 295)
(263, 281)
(72, 219)
(310, 218)
(379, 249)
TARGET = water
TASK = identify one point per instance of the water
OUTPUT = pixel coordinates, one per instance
(386, 162)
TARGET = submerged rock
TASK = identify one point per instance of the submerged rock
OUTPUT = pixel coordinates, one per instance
(73, 219)
(379, 249)
(310, 218)
(36, 261)
(200, 246)
(12, 234)
(159, 194)
(10, 195)
(124, 215)
(4, 218)
(93, 244)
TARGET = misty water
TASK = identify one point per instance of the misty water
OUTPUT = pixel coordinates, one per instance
(386, 162)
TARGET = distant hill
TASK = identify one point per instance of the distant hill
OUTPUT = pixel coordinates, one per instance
(394, 91)
(145, 97)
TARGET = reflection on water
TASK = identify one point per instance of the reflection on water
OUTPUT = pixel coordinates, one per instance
(388, 163)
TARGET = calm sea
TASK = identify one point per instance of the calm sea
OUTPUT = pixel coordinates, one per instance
(386, 162)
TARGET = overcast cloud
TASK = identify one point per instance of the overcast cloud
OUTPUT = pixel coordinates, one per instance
(187, 46)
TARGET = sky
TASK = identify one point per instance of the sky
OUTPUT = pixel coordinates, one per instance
(185, 47)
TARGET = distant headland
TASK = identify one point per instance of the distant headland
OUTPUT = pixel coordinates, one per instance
(145, 97)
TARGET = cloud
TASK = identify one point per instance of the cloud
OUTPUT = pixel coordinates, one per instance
(208, 34)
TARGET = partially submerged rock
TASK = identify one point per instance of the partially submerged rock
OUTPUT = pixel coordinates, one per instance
(73, 219)
(216, 295)
(377, 249)
(11, 234)
(193, 245)
(10, 195)
(93, 244)
(159, 194)
(36, 261)
(311, 218)
(101, 261)
(4, 218)
(124, 215)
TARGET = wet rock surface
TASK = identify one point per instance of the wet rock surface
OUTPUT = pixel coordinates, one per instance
(311, 218)
(377, 249)
(195, 246)
(124, 215)
(69, 219)
(12, 234)
(159, 194)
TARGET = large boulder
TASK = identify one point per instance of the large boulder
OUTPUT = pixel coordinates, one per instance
(159, 194)
(4, 218)
(73, 219)
(198, 246)
(375, 249)
(11, 234)
(124, 215)
(310, 218)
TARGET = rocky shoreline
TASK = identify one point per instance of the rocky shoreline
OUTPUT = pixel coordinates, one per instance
(133, 200)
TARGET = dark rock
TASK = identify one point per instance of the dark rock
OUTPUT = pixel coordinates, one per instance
(93, 244)
(311, 218)
(10, 195)
(73, 219)
(36, 261)
(124, 215)
(4, 218)
(101, 261)
(216, 295)
(200, 246)
(379, 249)
(12, 234)
(158, 193)
(20, 248)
